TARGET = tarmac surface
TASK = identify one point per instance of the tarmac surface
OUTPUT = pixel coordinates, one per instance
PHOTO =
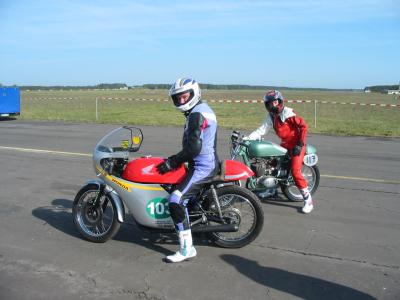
(347, 248)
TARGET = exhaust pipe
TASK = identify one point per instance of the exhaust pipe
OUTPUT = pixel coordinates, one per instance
(216, 228)
(195, 229)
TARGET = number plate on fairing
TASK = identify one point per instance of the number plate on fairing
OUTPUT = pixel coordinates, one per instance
(310, 159)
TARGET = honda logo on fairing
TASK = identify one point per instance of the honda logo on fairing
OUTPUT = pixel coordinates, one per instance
(146, 171)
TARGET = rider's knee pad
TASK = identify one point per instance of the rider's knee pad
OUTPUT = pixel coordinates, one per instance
(177, 212)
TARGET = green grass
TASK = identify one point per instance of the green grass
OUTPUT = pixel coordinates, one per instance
(331, 118)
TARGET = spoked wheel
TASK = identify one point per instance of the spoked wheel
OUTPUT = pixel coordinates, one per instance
(239, 207)
(311, 175)
(96, 224)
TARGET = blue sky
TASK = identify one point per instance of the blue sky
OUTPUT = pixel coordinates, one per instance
(308, 43)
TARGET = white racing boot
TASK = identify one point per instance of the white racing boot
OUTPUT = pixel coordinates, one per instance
(308, 202)
(186, 249)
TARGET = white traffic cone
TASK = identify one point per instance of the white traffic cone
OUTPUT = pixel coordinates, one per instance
(186, 249)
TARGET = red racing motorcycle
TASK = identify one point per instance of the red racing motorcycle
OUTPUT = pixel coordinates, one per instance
(230, 215)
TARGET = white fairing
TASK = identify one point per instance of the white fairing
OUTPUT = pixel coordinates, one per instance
(147, 202)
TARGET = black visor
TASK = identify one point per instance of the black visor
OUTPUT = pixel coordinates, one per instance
(270, 107)
(270, 98)
(176, 96)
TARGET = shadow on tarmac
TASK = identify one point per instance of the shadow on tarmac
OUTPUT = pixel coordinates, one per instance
(59, 215)
(298, 285)
(281, 201)
(7, 119)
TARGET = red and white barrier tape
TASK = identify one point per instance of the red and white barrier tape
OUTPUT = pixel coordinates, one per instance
(229, 101)
(307, 101)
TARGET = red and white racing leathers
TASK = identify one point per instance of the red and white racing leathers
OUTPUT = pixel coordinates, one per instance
(291, 129)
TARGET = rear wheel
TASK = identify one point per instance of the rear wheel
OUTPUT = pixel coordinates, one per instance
(311, 175)
(239, 207)
(95, 224)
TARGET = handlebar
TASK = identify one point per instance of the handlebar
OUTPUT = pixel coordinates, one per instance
(237, 143)
(237, 139)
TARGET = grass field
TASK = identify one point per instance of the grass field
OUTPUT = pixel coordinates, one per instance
(340, 119)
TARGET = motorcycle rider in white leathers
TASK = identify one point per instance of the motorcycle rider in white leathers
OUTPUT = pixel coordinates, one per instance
(199, 150)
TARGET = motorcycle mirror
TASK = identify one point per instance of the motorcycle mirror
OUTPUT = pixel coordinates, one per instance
(235, 135)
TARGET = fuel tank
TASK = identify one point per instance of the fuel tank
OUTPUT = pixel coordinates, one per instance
(264, 149)
(144, 170)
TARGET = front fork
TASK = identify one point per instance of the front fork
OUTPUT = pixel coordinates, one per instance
(103, 189)
(96, 202)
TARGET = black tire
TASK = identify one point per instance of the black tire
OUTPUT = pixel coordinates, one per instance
(88, 221)
(291, 191)
(229, 197)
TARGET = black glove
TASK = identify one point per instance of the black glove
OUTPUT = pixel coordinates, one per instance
(297, 149)
(166, 166)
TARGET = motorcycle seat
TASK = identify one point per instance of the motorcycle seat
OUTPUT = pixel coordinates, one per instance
(218, 178)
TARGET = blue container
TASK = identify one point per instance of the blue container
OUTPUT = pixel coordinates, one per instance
(10, 104)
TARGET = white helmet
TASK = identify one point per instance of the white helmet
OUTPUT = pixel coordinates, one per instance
(183, 85)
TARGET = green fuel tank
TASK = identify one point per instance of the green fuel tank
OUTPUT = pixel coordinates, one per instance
(264, 149)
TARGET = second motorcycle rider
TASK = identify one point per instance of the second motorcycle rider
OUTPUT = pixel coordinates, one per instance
(292, 129)
(199, 150)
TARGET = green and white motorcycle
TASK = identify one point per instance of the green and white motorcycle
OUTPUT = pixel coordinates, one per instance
(271, 166)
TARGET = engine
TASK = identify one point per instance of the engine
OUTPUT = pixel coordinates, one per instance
(266, 171)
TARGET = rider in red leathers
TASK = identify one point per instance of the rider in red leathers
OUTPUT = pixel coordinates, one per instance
(292, 130)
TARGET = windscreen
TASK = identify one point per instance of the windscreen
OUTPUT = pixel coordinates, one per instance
(123, 139)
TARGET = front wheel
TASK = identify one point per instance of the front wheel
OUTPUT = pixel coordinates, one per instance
(311, 175)
(239, 207)
(95, 224)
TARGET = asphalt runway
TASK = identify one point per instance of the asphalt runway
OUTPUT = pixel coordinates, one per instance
(347, 248)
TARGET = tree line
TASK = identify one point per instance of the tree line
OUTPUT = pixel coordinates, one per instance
(207, 86)
(163, 86)
(105, 86)
(382, 88)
